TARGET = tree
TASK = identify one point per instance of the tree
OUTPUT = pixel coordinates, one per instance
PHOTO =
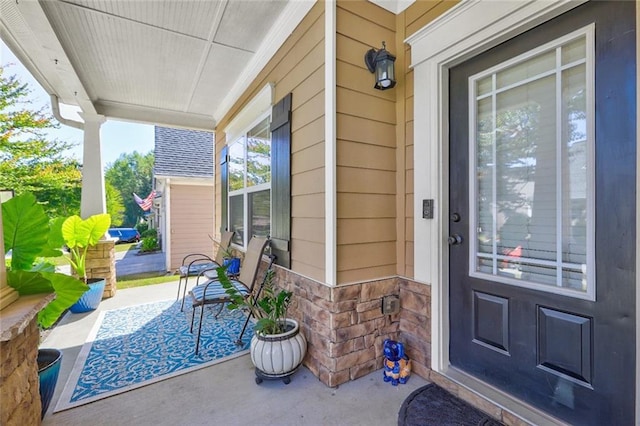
(29, 162)
(131, 173)
(115, 204)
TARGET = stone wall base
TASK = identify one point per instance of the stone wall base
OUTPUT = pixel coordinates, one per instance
(345, 327)
(101, 263)
(19, 339)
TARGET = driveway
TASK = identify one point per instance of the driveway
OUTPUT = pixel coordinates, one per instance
(132, 262)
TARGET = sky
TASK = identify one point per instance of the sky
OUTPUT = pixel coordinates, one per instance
(117, 137)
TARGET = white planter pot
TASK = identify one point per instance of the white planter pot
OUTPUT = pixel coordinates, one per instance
(279, 355)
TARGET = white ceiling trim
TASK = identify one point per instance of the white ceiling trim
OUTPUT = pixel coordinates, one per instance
(291, 16)
(168, 118)
(394, 6)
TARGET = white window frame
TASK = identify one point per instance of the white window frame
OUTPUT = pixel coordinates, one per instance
(588, 32)
(246, 190)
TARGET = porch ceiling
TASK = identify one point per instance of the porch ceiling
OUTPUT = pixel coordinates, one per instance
(169, 62)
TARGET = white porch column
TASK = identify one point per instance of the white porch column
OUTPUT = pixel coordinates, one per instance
(93, 194)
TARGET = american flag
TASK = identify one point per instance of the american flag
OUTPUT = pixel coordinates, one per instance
(147, 202)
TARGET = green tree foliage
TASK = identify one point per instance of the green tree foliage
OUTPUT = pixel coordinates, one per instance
(29, 162)
(131, 173)
(115, 204)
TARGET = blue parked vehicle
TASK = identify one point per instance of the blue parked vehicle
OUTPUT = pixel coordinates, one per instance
(125, 235)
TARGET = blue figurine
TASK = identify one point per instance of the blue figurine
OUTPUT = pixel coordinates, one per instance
(397, 366)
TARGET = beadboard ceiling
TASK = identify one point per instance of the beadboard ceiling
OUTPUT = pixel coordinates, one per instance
(178, 63)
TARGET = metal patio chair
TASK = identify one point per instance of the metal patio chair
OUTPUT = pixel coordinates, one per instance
(212, 292)
(197, 263)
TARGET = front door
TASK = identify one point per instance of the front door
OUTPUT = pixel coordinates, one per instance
(542, 215)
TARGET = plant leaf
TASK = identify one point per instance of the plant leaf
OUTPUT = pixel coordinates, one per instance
(55, 241)
(72, 232)
(25, 228)
(96, 227)
(68, 290)
(29, 282)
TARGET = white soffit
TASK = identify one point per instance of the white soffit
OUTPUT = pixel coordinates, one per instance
(394, 6)
(167, 62)
(289, 19)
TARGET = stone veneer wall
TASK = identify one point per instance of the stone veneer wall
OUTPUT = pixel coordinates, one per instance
(19, 340)
(101, 263)
(345, 327)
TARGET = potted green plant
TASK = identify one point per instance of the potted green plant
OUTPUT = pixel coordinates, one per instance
(80, 234)
(29, 234)
(277, 345)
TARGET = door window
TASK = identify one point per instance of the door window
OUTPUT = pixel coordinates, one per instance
(532, 178)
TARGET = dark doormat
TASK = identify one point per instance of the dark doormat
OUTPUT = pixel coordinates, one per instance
(433, 406)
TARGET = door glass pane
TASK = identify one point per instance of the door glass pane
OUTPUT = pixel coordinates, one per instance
(259, 154)
(531, 166)
(527, 69)
(236, 218)
(260, 213)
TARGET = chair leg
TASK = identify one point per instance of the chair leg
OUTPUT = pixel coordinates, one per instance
(199, 328)
(184, 292)
(219, 310)
(193, 315)
(179, 285)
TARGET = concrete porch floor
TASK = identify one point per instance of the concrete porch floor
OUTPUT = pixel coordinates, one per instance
(225, 393)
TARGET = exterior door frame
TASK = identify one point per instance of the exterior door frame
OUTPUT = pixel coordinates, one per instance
(478, 26)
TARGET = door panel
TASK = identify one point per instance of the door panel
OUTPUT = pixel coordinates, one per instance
(552, 344)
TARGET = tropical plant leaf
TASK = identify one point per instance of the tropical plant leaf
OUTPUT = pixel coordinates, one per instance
(73, 233)
(29, 282)
(68, 290)
(96, 227)
(25, 228)
(55, 240)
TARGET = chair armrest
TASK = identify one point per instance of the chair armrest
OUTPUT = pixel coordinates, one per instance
(205, 270)
(200, 256)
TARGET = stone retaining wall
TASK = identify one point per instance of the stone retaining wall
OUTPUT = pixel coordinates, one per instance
(19, 339)
(345, 327)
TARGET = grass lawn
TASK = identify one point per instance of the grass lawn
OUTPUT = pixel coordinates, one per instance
(124, 247)
(147, 278)
(59, 261)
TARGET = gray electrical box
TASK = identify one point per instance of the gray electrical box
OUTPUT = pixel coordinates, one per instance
(390, 305)
(427, 209)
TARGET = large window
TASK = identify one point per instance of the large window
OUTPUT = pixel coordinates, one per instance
(532, 191)
(250, 183)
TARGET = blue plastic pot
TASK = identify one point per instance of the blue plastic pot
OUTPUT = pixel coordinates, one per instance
(91, 298)
(234, 265)
(49, 361)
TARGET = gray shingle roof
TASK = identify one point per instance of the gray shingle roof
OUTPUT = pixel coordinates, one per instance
(180, 152)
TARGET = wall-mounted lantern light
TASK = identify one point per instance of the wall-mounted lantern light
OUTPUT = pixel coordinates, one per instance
(381, 62)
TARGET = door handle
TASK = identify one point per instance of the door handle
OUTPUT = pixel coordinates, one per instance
(454, 239)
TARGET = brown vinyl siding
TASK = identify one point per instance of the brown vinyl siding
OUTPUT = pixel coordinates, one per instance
(191, 221)
(298, 67)
(365, 154)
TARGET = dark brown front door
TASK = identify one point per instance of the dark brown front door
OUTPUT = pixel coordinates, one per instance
(542, 215)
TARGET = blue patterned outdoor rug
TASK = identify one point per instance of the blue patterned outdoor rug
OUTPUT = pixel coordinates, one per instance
(143, 344)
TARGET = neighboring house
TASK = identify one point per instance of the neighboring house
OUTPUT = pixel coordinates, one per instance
(492, 190)
(183, 173)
